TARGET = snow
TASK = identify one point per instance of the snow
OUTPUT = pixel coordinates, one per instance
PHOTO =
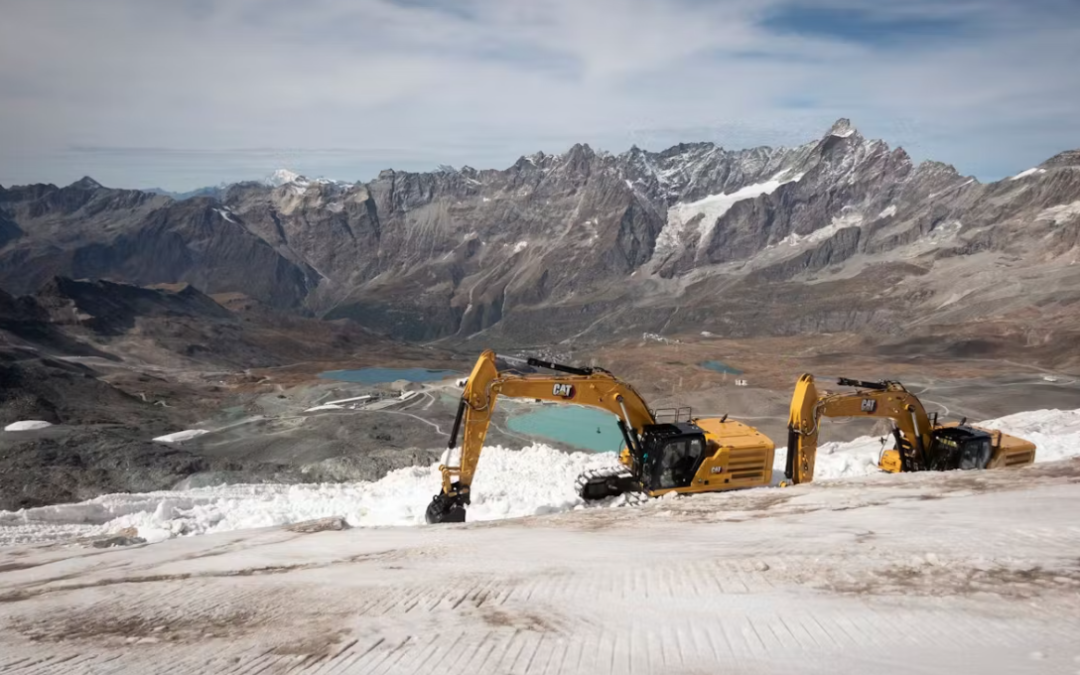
(710, 209)
(520, 246)
(1060, 214)
(510, 483)
(326, 406)
(951, 188)
(888, 212)
(27, 425)
(181, 436)
(1029, 172)
(285, 177)
(349, 400)
(842, 221)
(224, 213)
(535, 480)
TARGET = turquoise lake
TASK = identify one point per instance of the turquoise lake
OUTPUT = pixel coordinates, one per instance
(570, 424)
(721, 367)
(381, 375)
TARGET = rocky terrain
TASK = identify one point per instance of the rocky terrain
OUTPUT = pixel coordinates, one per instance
(112, 366)
(842, 234)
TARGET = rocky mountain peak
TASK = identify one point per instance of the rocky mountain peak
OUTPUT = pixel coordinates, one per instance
(284, 177)
(86, 183)
(1069, 158)
(842, 128)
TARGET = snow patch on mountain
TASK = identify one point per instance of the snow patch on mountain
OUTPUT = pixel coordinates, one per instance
(888, 212)
(705, 212)
(1029, 172)
(1062, 213)
(181, 436)
(285, 177)
(27, 425)
(843, 220)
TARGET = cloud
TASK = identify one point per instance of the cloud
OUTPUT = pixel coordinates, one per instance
(189, 93)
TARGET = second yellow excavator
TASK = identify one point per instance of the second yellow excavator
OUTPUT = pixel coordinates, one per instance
(683, 454)
(922, 444)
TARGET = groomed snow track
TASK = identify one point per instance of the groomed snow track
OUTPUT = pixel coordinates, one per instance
(941, 573)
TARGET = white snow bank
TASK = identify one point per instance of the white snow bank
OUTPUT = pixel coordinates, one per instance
(181, 436)
(510, 483)
(27, 425)
(1055, 433)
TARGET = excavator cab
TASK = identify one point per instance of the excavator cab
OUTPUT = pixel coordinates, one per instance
(671, 455)
(664, 457)
(960, 447)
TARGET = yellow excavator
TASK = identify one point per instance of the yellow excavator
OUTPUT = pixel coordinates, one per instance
(922, 443)
(680, 454)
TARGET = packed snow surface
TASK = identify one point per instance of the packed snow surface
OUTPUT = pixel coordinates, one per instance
(27, 425)
(510, 483)
(181, 436)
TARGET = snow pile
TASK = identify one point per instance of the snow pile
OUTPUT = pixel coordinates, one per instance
(181, 436)
(27, 425)
(1055, 433)
(510, 483)
(709, 210)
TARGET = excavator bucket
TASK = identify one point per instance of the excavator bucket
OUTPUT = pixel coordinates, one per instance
(444, 509)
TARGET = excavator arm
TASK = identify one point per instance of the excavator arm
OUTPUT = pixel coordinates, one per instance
(591, 387)
(891, 400)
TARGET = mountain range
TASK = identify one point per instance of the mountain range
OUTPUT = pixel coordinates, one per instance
(841, 234)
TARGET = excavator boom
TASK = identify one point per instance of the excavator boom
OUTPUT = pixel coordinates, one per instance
(592, 387)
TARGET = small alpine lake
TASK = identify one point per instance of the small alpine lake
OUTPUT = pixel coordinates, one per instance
(584, 428)
(383, 375)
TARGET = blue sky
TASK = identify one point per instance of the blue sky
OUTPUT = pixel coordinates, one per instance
(185, 93)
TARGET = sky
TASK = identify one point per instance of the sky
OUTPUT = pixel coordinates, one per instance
(186, 93)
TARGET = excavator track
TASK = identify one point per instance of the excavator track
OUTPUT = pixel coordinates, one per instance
(597, 484)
